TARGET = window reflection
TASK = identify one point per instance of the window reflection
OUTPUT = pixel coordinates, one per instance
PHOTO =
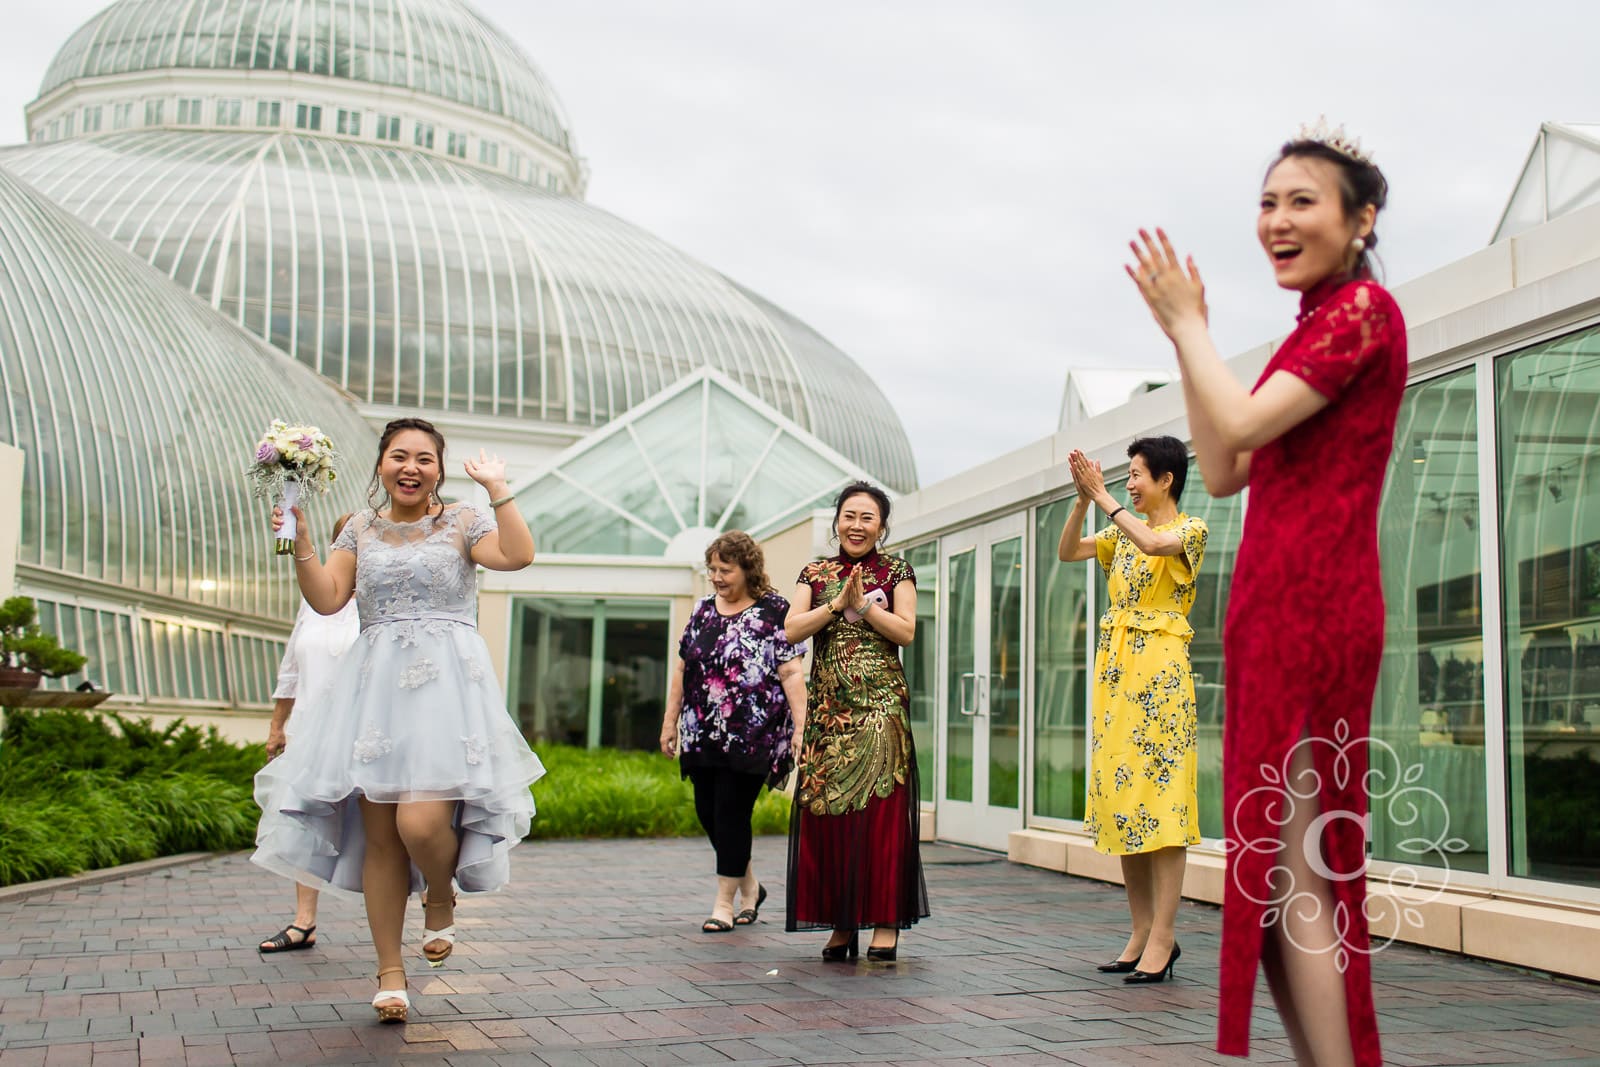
(1549, 473)
(1063, 650)
(1427, 718)
(921, 659)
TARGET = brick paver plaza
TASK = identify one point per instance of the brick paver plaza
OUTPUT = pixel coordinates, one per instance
(594, 956)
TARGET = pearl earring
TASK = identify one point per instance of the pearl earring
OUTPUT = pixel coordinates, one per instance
(1358, 245)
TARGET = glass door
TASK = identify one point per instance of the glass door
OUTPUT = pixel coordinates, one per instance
(980, 777)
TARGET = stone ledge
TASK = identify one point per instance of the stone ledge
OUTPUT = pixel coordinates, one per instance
(23, 890)
(1562, 937)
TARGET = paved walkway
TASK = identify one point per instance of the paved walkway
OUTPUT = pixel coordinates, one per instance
(594, 957)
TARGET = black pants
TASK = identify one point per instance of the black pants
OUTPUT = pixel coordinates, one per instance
(724, 800)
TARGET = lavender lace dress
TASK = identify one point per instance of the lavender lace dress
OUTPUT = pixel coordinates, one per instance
(414, 713)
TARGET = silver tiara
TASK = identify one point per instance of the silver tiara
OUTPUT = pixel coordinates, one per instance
(1335, 138)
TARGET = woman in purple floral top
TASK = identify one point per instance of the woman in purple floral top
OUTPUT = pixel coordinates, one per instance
(734, 706)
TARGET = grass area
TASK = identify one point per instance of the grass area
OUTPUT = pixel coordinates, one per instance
(607, 793)
(79, 791)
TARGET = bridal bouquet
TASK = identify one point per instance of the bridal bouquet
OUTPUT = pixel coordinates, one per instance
(290, 460)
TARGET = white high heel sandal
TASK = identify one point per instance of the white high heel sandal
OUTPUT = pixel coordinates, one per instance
(436, 958)
(392, 1005)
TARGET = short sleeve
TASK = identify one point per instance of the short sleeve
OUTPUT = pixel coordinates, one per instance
(1105, 546)
(808, 574)
(346, 541)
(288, 683)
(777, 610)
(901, 571)
(692, 627)
(480, 523)
(1192, 534)
(1357, 325)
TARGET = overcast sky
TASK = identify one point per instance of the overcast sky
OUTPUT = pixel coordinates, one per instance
(945, 190)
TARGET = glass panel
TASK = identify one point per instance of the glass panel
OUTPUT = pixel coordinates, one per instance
(735, 434)
(550, 692)
(1005, 673)
(921, 661)
(1063, 651)
(671, 437)
(633, 697)
(791, 472)
(1428, 714)
(568, 520)
(1549, 469)
(1224, 521)
(615, 471)
(960, 685)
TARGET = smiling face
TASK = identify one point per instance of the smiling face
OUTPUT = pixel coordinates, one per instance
(728, 579)
(860, 524)
(1303, 226)
(409, 468)
(1146, 492)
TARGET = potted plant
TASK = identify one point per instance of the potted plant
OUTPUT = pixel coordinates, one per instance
(27, 653)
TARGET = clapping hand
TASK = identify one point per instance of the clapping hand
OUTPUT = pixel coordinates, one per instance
(1087, 476)
(855, 592)
(1171, 289)
(488, 471)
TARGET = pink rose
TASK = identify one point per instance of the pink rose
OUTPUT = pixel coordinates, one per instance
(266, 453)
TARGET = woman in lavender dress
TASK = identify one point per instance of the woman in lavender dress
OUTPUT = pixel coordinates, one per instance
(734, 706)
(411, 776)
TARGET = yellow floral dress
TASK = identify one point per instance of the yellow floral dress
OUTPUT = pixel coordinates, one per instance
(1142, 761)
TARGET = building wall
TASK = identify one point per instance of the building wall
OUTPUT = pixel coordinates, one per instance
(10, 515)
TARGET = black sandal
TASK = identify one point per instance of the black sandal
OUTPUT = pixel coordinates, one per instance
(282, 942)
(715, 925)
(748, 915)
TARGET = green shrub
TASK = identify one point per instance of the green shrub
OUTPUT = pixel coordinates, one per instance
(79, 791)
(75, 794)
(608, 793)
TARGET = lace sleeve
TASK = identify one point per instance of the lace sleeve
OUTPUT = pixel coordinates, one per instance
(1356, 326)
(480, 524)
(1105, 546)
(346, 541)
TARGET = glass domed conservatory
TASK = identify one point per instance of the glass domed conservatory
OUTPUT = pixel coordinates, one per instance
(391, 194)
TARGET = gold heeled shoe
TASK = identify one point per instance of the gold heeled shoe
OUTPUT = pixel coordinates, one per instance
(392, 1005)
(436, 957)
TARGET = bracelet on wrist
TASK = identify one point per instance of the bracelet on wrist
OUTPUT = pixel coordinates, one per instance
(1114, 514)
(309, 555)
(835, 612)
(508, 498)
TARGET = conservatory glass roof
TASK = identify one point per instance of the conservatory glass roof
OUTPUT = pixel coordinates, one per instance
(1562, 174)
(702, 457)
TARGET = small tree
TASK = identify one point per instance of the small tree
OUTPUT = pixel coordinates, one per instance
(23, 646)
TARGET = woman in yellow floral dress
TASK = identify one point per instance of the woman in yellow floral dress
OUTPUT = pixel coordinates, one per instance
(1142, 767)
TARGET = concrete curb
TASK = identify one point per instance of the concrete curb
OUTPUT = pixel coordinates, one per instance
(24, 890)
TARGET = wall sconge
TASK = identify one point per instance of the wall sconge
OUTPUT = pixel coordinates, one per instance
(1555, 490)
(1418, 453)
(1468, 521)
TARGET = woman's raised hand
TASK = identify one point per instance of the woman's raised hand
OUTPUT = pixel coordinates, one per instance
(486, 470)
(1171, 289)
(1086, 474)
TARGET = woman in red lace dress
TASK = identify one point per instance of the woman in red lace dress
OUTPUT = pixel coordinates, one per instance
(1305, 615)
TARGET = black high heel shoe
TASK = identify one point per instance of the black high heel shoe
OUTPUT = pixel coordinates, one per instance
(885, 955)
(1117, 966)
(1139, 977)
(847, 951)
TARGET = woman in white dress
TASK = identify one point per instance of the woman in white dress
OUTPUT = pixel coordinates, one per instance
(416, 775)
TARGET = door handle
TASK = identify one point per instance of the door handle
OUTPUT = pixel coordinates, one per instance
(965, 707)
(983, 695)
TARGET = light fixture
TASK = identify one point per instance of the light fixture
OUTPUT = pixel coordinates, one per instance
(1418, 453)
(206, 585)
(1555, 490)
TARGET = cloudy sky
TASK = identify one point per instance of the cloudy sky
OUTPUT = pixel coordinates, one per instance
(945, 190)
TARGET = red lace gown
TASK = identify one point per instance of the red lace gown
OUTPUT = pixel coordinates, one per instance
(1303, 638)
